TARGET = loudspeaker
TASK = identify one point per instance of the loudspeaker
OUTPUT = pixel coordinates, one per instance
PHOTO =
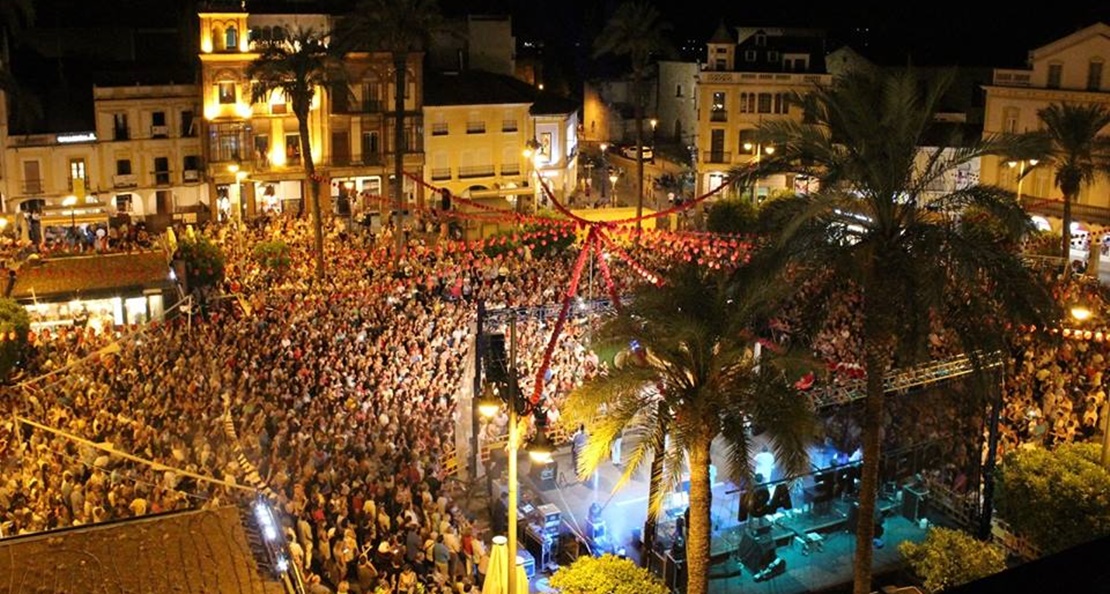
(755, 552)
(496, 360)
(544, 475)
(913, 504)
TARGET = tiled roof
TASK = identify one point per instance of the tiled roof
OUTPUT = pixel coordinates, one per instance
(91, 274)
(476, 87)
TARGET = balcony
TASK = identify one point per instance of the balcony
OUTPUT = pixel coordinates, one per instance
(508, 126)
(716, 157)
(121, 133)
(475, 127)
(441, 173)
(439, 129)
(718, 116)
(159, 131)
(190, 175)
(161, 178)
(32, 187)
(125, 180)
(372, 106)
(476, 171)
(510, 169)
(1012, 78)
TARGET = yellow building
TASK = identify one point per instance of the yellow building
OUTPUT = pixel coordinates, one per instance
(493, 137)
(746, 80)
(1072, 69)
(253, 153)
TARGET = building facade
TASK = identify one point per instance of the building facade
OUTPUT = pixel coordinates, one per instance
(676, 101)
(747, 79)
(1073, 69)
(252, 149)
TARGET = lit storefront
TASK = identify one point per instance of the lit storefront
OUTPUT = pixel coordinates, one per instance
(99, 292)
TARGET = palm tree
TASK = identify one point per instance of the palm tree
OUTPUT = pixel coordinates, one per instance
(880, 227)
(693, 377)
(1079, 152)
(400, 27)
(636, 30)
(296, 68)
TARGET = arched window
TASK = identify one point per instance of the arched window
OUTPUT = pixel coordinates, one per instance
(217, 35)
(232, 39)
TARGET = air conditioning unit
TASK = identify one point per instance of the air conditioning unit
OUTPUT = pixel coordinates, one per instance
(191, 175)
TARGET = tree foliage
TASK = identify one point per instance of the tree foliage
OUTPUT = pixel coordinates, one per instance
(204, 262)
(607, 574)
(1056, 498)
(15, 324)
(273, 255)
(733, 215)
(948, 558)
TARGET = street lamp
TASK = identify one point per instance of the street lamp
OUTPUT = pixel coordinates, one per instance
(540, 450)
(1021, 165)
(71, 202)
(605, 165)
(614, 175)
(759, 151)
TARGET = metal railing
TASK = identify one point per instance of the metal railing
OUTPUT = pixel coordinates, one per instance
(899, 380)
(476, 171)
(717, 157)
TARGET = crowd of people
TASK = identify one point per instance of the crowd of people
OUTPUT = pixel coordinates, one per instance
(343, 395)
(343, 392)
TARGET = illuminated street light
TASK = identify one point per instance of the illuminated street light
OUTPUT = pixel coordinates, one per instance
(540, 451)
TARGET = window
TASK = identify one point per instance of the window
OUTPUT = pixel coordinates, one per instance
(119, 127)
(231, 38)
(277, 104)
(293, 149)
(32, 177)
(721, 64)
(227, 92)
(370, 147)
(750, 55)
(678, 91)
(747, 102)
(508, 126)
(123, 167)
(1094, 75)
(76, 169)
(439, 129)
(262, 150)
(187, 123)
(747, 142)
(123, 202)
(1009, 120)
(782, 104)
(1055, 73)
(371, 97)
(764, 103)
(475, 127)
(158, 118)
(191, 163)
(718, 113)
(760, 39)
(161, 171)
(772, 56)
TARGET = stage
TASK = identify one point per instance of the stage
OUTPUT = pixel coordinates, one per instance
(815, 541)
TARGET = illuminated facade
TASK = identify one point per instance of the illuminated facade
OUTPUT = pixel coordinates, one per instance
(744, 83)
(1073, 69)
(491, 135)
(252, 150)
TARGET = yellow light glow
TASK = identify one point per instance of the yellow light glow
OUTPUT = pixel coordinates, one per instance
(243, 110)
(1080, 313)
(69, 201)
(211, 111)
(769, 150)
(747, 146)
(240, 176)
(234, 168)
(277, 157)
(206, 43)
(316, 154)
(488, 409)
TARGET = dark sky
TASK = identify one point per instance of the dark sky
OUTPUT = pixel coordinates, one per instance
(930, 32)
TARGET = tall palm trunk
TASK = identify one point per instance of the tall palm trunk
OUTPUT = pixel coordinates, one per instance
(875, 361)
(697, 542)
(313, 191)
(655, 493)
(1065, 232)
(637, 78)
(400, 62)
